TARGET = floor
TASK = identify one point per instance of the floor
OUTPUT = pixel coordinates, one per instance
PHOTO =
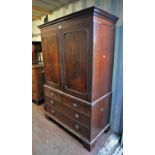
(50, 139)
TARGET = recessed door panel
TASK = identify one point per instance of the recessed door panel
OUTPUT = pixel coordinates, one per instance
(51, 58)
(75, 61)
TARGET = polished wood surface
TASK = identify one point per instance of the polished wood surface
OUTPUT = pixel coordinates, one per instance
(75, 53)
(53, 95)
(100, 115)
(102, 58)
(75, 125)
(75, 104)
(78, 53)
(76, 41)
(70, 112)
(37, 83)
(51, 58)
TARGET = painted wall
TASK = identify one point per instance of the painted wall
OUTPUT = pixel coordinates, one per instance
(115, 7)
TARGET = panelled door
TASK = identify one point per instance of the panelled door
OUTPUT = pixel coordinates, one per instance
(76, 45)
(50, 41)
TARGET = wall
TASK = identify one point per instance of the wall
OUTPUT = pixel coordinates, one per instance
(115, 7)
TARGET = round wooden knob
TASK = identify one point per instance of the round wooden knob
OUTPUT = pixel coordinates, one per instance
(76, 116)
(52, 102)
(77, 127)
(75, 105)
(53, 111)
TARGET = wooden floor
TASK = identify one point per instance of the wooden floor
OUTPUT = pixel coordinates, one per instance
(50, 139)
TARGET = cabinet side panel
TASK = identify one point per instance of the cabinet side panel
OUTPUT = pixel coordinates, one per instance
(100, 116)
(103, 51)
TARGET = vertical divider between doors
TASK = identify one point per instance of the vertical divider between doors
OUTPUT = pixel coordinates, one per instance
(59, 35)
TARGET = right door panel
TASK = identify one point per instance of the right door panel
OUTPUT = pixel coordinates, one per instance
(75, 41)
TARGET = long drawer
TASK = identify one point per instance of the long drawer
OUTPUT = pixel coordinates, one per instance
(77, 105)
(74, 125)
(52, 94)
(75, 115)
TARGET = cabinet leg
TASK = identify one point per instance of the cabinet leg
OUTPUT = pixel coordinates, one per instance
(89, 147)
(47, 117)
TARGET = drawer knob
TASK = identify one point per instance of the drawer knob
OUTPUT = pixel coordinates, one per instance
(77, 127)
(53, 111)
(52, 94)
(75, 105)
(52, 102)
(76, 116)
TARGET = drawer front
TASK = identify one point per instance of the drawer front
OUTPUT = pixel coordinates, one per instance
(77, 105)
(74, 125)
(53, 95)
(75, 115)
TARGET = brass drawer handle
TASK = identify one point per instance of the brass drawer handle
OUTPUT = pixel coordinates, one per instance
(53, 111)
(75, 105)
(76, 116)
(52, 94)
(52, 102)
(77, 127)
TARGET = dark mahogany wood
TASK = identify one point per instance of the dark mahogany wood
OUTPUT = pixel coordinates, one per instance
(70, 112)
(78, 51)
(77, 105)
(51, 58)
(52, 94)
(100, 115)
(70, 122)
(77, 45)
(103, 57)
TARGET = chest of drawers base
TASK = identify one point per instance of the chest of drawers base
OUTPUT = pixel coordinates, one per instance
(78, 117)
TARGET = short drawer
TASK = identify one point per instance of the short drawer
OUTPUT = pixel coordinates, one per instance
(53, 95)
(82, 119)
(77, 105)
(74, 125)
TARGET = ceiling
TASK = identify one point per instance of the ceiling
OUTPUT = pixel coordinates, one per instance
(42, 7)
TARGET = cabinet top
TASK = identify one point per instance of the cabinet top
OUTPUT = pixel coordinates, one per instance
(94, 10)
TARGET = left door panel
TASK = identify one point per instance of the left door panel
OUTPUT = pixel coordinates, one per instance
(50, 44)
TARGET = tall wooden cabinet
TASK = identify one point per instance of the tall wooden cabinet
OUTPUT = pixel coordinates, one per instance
(78, 54)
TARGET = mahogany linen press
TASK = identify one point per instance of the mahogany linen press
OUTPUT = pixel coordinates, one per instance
(78, 52)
